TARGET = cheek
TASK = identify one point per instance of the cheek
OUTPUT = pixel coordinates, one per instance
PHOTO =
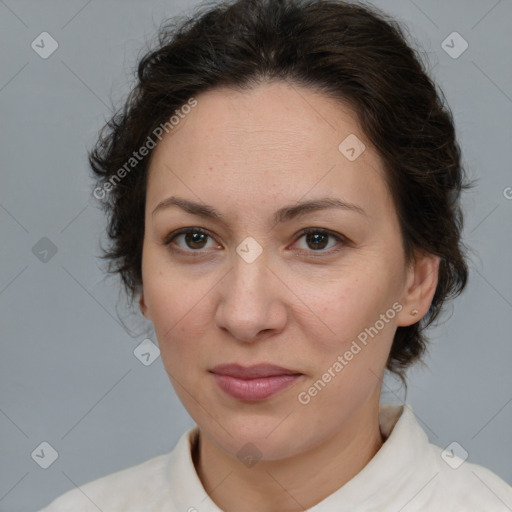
(346, 367)
(178, 308)
(359, 310)
(167, 294)
(175, 312)
(350, 304)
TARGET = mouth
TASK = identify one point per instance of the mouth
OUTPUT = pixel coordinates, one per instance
(253, 383)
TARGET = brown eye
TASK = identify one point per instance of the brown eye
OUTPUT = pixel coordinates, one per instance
(195, 240)
(321, 240)
(317, 241)
(189, 239)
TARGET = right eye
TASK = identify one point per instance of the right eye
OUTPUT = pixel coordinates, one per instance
(194, 240)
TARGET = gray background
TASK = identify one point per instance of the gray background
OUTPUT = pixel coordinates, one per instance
(68, 375)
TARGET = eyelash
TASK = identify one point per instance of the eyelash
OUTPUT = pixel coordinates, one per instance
(197, 253)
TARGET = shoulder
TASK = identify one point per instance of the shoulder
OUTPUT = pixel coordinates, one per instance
(428, 477)
(468, 486)
(132, 488)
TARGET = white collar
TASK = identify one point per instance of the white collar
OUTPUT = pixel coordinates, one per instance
(388, 472)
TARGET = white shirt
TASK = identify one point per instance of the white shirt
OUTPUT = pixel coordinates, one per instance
(407, 474)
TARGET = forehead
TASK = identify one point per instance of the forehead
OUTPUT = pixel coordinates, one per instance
(279, 115)
(278, 137)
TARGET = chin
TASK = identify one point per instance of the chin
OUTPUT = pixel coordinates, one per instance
(265, 437)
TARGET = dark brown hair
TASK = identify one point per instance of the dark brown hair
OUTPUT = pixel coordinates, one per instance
(351, 52)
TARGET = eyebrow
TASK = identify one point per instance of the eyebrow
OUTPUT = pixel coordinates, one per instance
(284, 214)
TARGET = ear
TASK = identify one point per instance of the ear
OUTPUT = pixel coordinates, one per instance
(142, 305)
(421, 284)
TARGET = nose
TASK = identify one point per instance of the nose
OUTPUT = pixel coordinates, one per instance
(252, 304)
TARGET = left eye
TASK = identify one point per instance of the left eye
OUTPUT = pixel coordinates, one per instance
(317, 239)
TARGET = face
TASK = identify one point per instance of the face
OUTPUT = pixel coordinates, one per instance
(247, 286)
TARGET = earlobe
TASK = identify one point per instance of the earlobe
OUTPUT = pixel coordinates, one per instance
(142, 305)
(421, 286)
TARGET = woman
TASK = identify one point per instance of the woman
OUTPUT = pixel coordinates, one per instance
(283, 189)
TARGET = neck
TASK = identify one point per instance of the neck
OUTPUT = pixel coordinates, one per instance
(293, 484)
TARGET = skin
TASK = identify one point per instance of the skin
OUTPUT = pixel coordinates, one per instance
(299, 305)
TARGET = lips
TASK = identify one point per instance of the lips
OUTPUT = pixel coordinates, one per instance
(252, 372)
(253, 383)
